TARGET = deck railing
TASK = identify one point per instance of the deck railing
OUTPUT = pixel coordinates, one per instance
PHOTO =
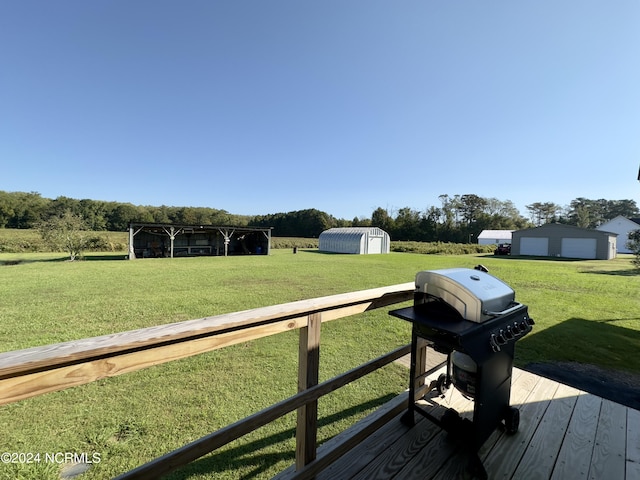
(39, 370)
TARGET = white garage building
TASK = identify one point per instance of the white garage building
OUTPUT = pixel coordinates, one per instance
(623, 226)
(557, 240)
(359, 240)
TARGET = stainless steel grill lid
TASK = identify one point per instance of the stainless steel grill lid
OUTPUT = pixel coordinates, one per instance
(476, 295)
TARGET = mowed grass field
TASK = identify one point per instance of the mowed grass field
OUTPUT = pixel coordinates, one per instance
(585, 311)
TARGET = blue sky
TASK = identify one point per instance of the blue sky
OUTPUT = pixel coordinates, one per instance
(260, 107)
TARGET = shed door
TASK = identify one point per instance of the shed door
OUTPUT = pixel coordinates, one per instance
(375, 245)
(579, 247)
(534, 246)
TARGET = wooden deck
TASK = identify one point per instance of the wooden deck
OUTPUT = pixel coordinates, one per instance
(564, 434)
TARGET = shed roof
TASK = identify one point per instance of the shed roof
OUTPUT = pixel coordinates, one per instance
(495, 234)
(621, 218)
(355, 230)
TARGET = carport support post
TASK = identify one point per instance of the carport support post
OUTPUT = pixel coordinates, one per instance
(308, 368)
(227, 240)
(267, 235)
(132, 234)
(132, 252)
(172, 235)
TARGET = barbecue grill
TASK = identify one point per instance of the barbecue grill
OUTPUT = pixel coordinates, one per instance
(472, 317)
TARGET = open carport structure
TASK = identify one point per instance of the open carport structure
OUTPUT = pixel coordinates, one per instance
(153, 240)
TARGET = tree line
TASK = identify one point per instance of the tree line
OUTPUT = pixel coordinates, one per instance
(458, 218)
(27, 210)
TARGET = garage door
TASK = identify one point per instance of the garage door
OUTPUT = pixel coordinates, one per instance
(579, 247)
(534, 246)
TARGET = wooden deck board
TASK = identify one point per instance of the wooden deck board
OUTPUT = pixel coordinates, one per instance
(564, 433)
(539, 459)
(382, 442)
(609, 453)
(633, 444)
(575, 454)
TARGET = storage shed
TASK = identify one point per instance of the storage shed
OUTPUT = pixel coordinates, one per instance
(557, 240)
(623, 226)
(494, 237)
(360, 240)
(149, 240)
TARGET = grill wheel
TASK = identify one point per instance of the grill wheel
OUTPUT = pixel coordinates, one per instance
(512, 420)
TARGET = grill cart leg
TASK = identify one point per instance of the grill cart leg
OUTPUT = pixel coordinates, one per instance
(416, 380)
(408, 418)
(417, 377)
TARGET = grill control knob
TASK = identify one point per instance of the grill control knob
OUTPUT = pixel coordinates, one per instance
(516, 328)
(501, 337)
(493, 341)
(509, 333)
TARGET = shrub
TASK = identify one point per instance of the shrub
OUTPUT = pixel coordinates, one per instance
(441, 248)
(67, 232)
(634, 245)
(291, 242)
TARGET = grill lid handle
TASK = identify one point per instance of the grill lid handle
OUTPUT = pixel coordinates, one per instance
(503, 312)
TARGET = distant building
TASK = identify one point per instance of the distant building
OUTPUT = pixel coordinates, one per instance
(358, 240)
(622, 226)
(494, 237)
(558, 240)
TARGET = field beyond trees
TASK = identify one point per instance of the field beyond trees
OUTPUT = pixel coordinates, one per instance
(585, 311)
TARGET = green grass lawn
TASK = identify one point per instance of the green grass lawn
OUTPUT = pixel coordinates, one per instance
(585, 311)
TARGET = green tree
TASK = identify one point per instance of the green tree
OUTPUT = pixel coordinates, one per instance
(587, 213)
(542, 213)
(7, 211)
(626, 208)
(406, 225)
(358, 222)
(380, 218)
(28, 209)
(66, 232)
(471, 207)
(308, 223)
(634, 245)
(120, 216)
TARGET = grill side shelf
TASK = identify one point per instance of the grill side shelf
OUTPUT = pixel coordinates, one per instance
(478, 340)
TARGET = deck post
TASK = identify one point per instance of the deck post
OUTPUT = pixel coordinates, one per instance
(308, 373)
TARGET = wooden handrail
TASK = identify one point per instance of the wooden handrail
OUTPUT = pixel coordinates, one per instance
(20, 362)
(38, 370)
